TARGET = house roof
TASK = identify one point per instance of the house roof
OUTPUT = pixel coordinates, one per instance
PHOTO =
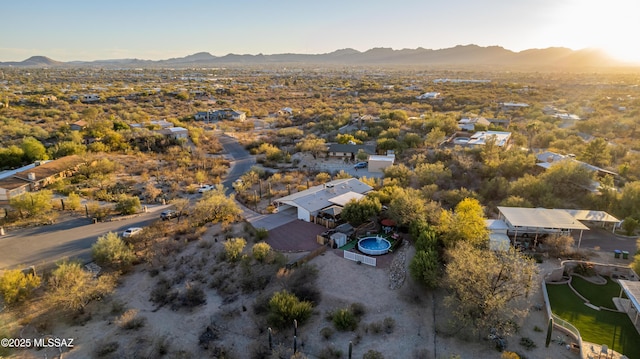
(10, 183)
(595, 216)
(481, 137)
(52, 168)
(548, 159)
(319, 197)
(382, 158)
(344, 198)
(347, 148)
(540, 218)
(632, 289)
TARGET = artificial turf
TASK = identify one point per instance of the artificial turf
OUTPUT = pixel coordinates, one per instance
(596, 326)
(600, 295)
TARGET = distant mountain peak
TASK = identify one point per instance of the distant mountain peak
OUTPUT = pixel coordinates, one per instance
(40, 60)
(460, 55)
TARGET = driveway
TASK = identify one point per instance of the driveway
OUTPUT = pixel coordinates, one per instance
(605, 241)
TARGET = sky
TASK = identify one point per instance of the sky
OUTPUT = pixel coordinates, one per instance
(69, 30)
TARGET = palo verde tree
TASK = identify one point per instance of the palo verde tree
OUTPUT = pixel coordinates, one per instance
(486, 287)
(72, 288)
(111, 250)
(466, 223)
(216, 207)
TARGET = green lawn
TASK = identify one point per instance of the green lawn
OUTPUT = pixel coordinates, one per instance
(597, 326)
(598, 295)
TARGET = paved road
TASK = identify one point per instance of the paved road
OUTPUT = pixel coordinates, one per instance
(41, 246)
(241, 160)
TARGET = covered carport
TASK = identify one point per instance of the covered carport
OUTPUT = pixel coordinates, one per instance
(632, 289)
(602, 217)
(540, 220)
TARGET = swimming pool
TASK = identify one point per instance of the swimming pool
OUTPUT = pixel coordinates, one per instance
(374, 246)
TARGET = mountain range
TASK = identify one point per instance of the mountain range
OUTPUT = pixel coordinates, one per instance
(455, 56)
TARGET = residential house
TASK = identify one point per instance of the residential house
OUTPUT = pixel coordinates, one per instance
(469, 124)
(175, 133)
(512, 106)
(502, 139)
(377, 163)
(78, 125)
(226, 114)
(547, 159)
(349, 151)
(308, 204)
(34, 177)
(429, 96)
(90, 98)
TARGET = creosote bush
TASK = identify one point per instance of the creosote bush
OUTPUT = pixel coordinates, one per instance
(130, 320)
(233, 248)
(284, 307)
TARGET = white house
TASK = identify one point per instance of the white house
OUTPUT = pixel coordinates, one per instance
(175, 132)
(502, 139)
(469, 124)
(377, 163)
(310, 202)
(428, 96)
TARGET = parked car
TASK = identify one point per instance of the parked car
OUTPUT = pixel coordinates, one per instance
(131, 231)
(206, 187)
(360, 165)
(168, 214)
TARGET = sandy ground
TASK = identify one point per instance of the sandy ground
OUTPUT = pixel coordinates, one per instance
(419, 315)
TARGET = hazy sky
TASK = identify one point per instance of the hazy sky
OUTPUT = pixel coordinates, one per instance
(68, 30)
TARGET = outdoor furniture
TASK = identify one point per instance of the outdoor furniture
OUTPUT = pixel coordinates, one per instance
(604, 350)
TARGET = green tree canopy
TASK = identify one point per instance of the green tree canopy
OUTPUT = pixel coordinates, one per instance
(360, 211)
(487, 287)
(466, 223)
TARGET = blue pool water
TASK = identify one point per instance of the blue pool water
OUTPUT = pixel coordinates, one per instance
(374, 245)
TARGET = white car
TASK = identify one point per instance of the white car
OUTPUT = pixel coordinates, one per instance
(206, 187)
(131, 231)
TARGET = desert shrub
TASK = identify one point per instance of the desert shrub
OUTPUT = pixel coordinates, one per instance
(389, 324)
(344, 320)
(509, 355)
(527, 343)
(193, 296)
(16, 286)
(253, 282)
(375, 327)
(127, 204)
(131, 320)
(261, 251)
(73, 202)
(629, 225)
(284, 307)
(330, 352)
(110, 249)
(233, 248)
(162, 292)
(358, 309)
(372, 354)
(261, 234)
(71, 287)
(584, 269)
(326, 333)
(106, 348)
(559, 245)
